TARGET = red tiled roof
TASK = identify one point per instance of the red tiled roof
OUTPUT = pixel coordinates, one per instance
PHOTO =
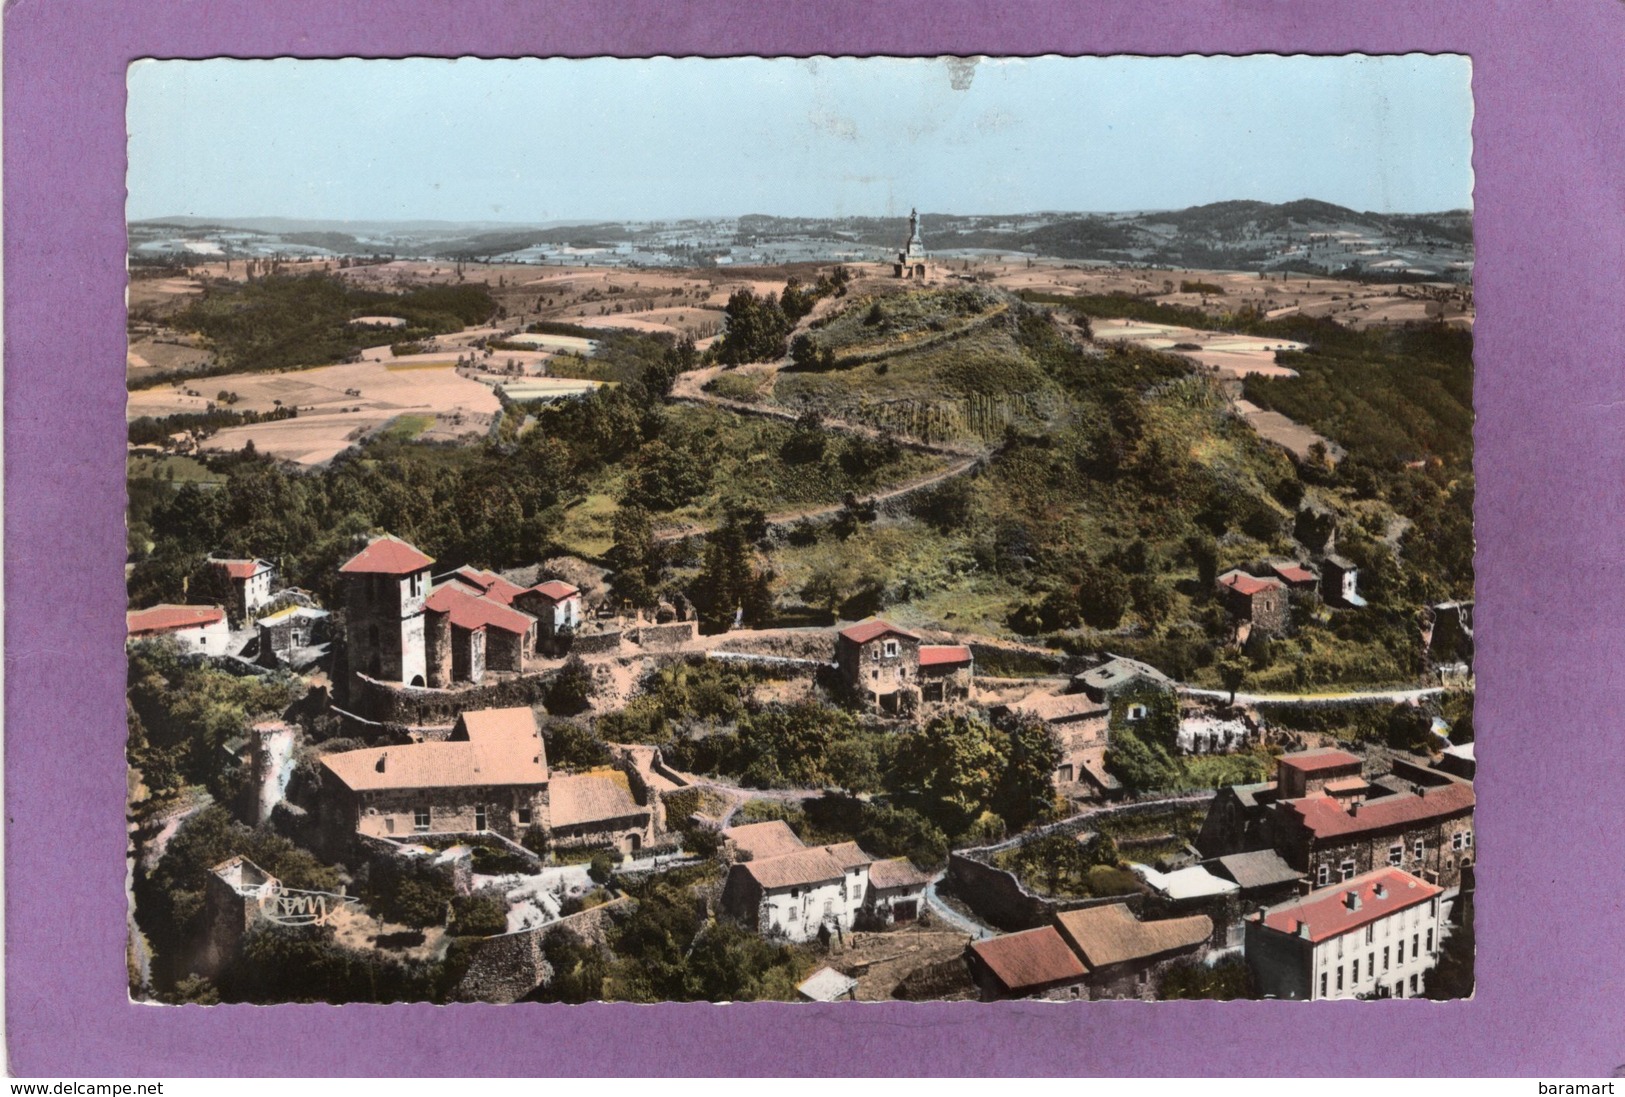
(1113, 935)
(556, 590)
(1293, 573)
(489, 583)
(1328, 913)
(898, 872)
(386, 556)
(472, 611)
(763, 840)
(1313, 761)
(503, 748)
(865, 631)
(241, 569)
(1242, 583)
(1030, 959)
(168, 618)
(1324, 817)
(943, 655)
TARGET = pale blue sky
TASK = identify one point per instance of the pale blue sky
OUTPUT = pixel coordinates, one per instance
(535, 140)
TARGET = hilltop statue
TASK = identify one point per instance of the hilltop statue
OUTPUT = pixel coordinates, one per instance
(911, 261)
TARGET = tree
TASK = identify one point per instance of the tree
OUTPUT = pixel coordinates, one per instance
(1453, 976)
(951, 768)
(601, 867)
(1103, 597)
(1026, 790)
(1225, 980)
(572, 689)
(635, 558)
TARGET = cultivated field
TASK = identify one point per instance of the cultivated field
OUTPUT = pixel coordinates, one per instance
(1225, 354)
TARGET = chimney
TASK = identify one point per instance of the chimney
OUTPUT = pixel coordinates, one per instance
(1354, 808)
(1379, 892)
(382, 758)
(1352, 900)
(1305, 887)
(1301, 928)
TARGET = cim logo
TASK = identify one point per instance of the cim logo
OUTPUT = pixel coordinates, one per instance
(292, 907)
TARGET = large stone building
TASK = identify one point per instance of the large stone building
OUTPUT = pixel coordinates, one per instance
(386, 585)
(1035, 963)
(1330, 823)
(490, 775)
(1375, 935)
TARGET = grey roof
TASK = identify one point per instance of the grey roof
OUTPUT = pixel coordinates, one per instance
(1120, 669)
(1260, 869)
(1248, 794)
(827, 985)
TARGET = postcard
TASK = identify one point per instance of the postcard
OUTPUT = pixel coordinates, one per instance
(967, 529)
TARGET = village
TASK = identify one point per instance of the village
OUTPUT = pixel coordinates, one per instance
(487, 776)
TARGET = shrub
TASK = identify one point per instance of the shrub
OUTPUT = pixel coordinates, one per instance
(482, 914)
(601, 867)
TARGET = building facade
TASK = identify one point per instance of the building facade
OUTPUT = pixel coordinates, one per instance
(1261, 603)
(1375, 935)
(196, 630)
(386, 585)
(879, 665)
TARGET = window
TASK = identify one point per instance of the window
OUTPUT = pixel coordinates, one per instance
(524, 816)
(420, 819)
(1419, 850)
(1323, 984)
(1354, 972)
(1416, 943)
(1413, 986)
(1455, 840)
(1145, 977)
(1430, 940)
(1433, 910)
(1137, 712)
(1371, 964)
(1370, 932)
(1323, 875)
(795, 893)
(479, 817)
(1385, 957)
(1347, 869)
(891, 649)
(1467, 838)
(1399, 989)
(1396, 853)
(1399, 952)
(1339, 976)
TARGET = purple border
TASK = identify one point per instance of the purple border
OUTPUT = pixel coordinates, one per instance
(1551, 470)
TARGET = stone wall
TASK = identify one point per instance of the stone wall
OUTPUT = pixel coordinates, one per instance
(505, 968)
(388, 703)
(605, 642)
(998, 897)
(664, 637)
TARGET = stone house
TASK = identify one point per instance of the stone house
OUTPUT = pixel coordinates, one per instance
(1035, 963)
(250, 584)
(597, 810)
(1261, 877)
(1081, 726)
(798, 894)
(289, 629)
(1261, 603)
(946, 671)
(1339, 582)
(1118, 675)
(1297, 578)
(1125, 957)
(1329, 823)
(196, 630)
(386, 585)
(490, 776)
(468, 634)
(556, 605)
(879, 665)
(871, 893)
(1375, 935)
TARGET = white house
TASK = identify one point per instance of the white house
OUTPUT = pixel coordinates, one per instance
(196, 629)
(798, 893)
(250, 583)
(1374, 936)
